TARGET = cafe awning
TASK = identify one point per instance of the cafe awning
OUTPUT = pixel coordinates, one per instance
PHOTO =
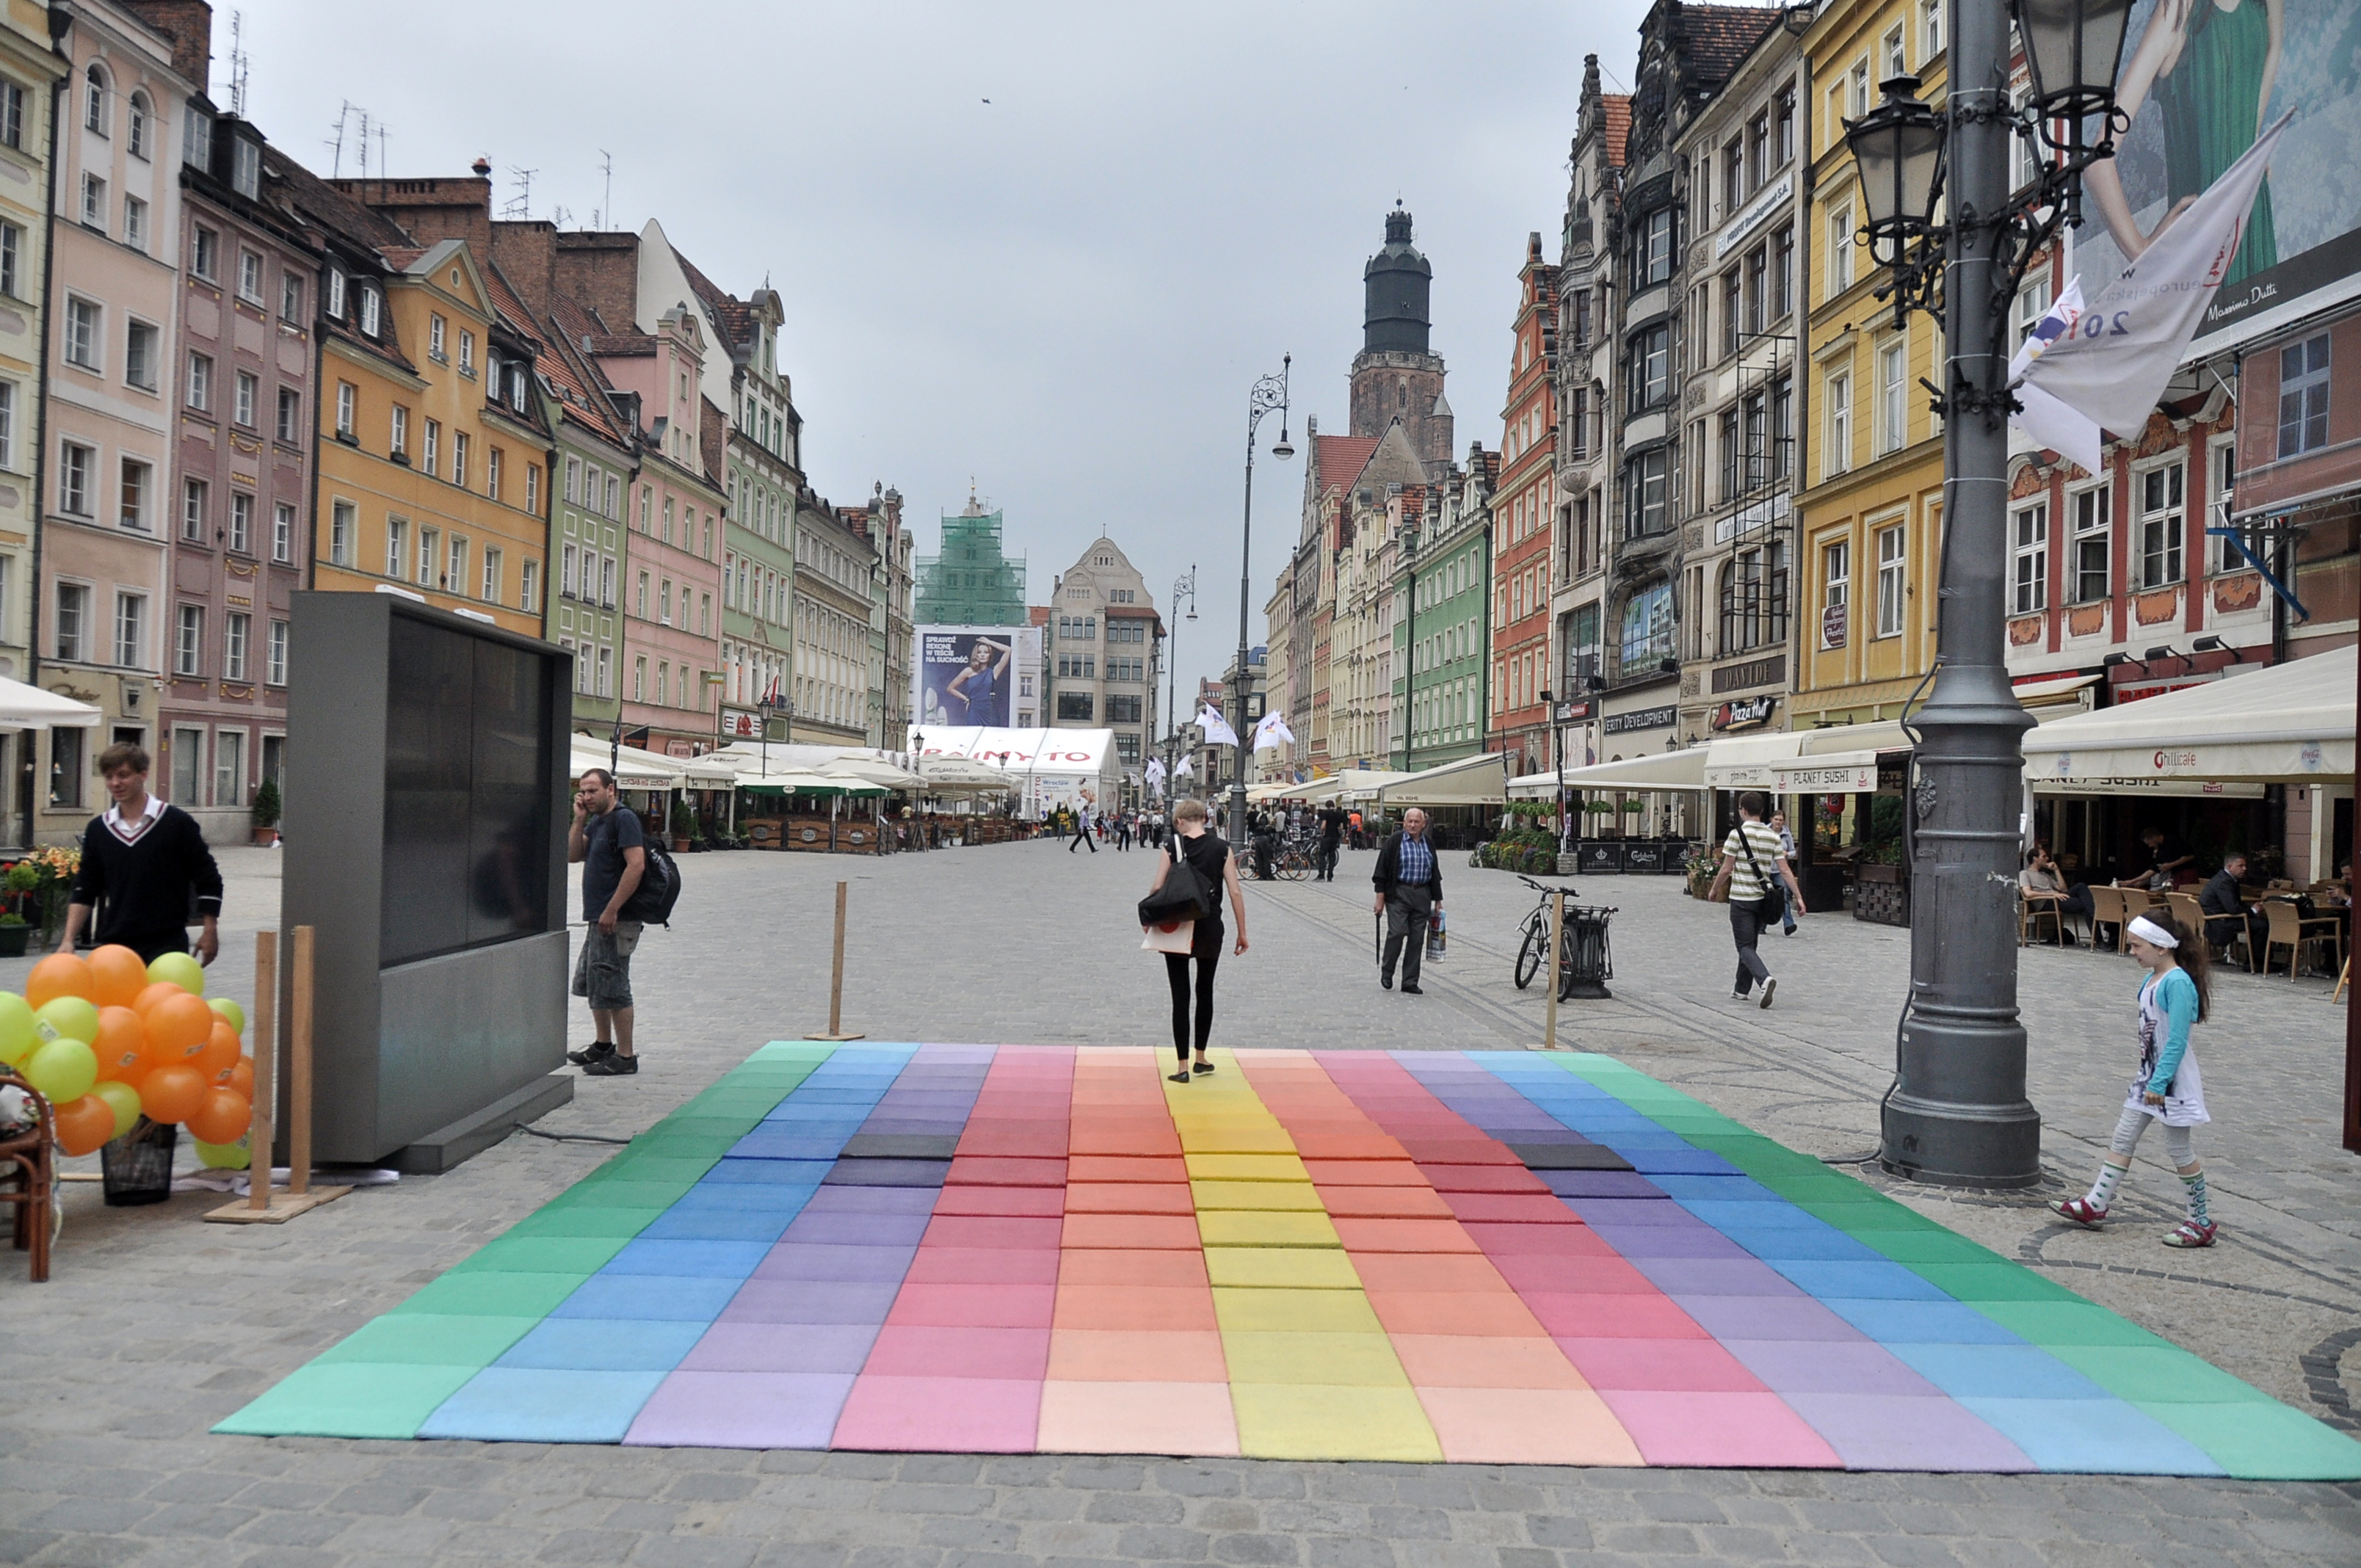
(1480, 779)
(632, 768)
(2284, 723)
(26, 707)
(1653, 772)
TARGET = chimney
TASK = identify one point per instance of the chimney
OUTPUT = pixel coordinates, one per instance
(188, 23)
(430, 210)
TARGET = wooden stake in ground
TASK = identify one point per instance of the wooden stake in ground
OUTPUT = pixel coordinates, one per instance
(835, 981)
(277, 1209)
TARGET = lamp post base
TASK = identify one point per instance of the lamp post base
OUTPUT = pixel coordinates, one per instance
(1951, 1144)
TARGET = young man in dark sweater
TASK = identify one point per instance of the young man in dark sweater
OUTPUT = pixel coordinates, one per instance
(140, 863)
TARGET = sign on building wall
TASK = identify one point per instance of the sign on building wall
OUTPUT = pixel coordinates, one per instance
(986, 675)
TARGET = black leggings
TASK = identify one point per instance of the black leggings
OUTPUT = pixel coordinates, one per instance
(1207, 951)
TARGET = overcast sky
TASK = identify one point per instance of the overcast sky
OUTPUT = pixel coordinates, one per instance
(1064, 292)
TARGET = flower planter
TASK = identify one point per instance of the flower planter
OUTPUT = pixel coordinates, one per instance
(265, 836)
(13, 941)
(1881, 896)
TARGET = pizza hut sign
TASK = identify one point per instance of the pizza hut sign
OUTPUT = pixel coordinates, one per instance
(1744, 714)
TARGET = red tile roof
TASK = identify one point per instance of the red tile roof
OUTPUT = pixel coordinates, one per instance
(1721, 37)
(1619, 125)
(1339, 459)
(580, 388)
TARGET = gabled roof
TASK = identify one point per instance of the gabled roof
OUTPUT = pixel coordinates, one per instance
(733, 317)
(1337, 460)
(581, 390)
(1617, 106)
(1721, 37)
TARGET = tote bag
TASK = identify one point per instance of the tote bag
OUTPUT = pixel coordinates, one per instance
(1184, 894)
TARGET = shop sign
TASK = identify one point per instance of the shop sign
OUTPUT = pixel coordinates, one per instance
(1643, 718)
(1744, 714)
(1832, 626)
(1893, 771)
(740, 724)
(2134, 691)
(1576, 711)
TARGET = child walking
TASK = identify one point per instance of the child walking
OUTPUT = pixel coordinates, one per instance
(2176, 994)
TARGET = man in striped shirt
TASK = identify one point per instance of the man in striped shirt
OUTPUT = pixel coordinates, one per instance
(1752, 867)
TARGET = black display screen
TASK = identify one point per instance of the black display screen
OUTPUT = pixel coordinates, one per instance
(470, 783)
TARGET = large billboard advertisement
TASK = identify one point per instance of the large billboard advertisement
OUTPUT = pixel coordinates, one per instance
(976, 676)
(2201, 79)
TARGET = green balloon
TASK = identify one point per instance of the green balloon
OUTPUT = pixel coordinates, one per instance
(231, 1011)
(223, 1157)
(180, 969)
(121, 1099)
(66, 1018)
(63, 1070)
(18, 1035)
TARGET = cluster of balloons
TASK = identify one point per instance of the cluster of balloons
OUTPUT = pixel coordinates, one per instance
(109, 1039)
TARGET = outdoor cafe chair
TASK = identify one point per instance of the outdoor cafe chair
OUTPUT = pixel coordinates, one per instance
(2107, 908)
(2032, 912)
(2287, 931)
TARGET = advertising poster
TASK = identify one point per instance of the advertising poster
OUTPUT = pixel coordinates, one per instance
(976, 676)
(2200, 79)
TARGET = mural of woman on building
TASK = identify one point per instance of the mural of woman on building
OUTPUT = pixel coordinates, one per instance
(2210, 66)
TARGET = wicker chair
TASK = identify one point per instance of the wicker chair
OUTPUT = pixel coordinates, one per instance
(28, 1175)
(2288, 930)
(2031, 912)
(2107, 909)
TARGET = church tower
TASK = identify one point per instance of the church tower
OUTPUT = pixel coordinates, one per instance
(1394, 376)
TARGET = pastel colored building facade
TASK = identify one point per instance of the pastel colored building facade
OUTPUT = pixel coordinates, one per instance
(1523, 517)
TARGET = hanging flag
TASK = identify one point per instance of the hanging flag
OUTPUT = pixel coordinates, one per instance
(1273, 732)
(1217, 729)
(2071, 435)
(1154, 775)
(1181, 769)
(2114, 364)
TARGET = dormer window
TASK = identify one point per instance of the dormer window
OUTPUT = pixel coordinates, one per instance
(196, 136)
(372, 310)
(246, 168)
(336, 295)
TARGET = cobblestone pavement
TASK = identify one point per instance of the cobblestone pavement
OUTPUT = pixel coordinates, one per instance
(156, 1325)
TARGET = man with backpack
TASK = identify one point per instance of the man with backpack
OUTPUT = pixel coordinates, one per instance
(606, 841)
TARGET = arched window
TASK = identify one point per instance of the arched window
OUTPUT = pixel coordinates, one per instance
(93, 100)
(140, 116)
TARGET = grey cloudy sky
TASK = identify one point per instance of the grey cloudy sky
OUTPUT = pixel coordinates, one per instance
(1065, 293)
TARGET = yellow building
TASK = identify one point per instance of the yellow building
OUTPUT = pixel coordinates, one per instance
(1870, 512)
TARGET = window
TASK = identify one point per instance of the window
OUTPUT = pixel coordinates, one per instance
(1646, 513)
(639, 680)
(82, 338)
(1890, 51)
(229, 767)
(1839, 399)
(455, 570)
(1893, 559)
(1783, 126)
(291, 296)
(565, 578)
(1733, 177)
(12, 115)
(467, 352)
(1859, 84)
(2222, 475)
(135, 223)
(94, 101)
(282, 532)
(1651, 249)
(143, 356)
(459, 458)
(2093, 526)
(491, 594)
(1841, 244)
(250, 393)
(492, 474)
(397, 547)
(93, 203)
(1892, 407)
(429, 557)
(2030, 591)
(1732, 310)
(1931, 26)
(1077, 707)
(1651, 368)
(336, 294)
(2303, 396)
(400, 432)
(201, 381)
(291, 415)
(529, 596)
(433, 444)
(189, 644)
(2160, 525)
(12, 260)
(75, 466)
(136, 477)
(1835, 572)
(435, 329)
(274, 666)
(249, 276)
(138, 126)
(72, 626)
(241, 522)
(1647, 639)
(205, 258)
(8, 424)
(1732, 474)
(640, 602)
(193, 507)
(372, 310)
(2032, 303)
(246, 168)
(130, 630)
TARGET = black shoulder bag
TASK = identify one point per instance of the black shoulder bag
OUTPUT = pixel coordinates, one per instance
(1184, 894)
(1772, 906)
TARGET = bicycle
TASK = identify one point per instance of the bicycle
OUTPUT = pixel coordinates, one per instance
(1536, 941)
(1295, 860)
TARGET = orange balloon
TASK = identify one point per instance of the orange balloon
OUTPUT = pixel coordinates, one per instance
(218, 1055)
(222, 1119)
(178, 1028)
(240, 1077)
(118, 974)
(59, 974)
(146, 1000)
(120, 1044)
(173, 1093)
(84, 1125)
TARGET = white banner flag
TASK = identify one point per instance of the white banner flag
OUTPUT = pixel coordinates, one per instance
(2122, 351)
(1181, 769)
(1273, 732)
(1217, 729)
(1154, 775)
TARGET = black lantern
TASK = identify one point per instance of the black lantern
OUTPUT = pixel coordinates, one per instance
(1898, 148)
(2072, 48)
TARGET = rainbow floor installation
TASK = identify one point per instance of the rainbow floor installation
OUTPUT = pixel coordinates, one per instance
(1500, 1257)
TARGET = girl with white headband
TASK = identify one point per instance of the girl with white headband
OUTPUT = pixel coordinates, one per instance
(2176, 994)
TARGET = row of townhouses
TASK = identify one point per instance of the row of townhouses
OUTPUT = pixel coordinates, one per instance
(1714, 503)
(225, 379)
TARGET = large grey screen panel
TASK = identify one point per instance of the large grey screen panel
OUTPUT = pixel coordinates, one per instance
(512, 785)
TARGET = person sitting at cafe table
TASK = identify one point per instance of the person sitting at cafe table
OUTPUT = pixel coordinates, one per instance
(2164, 857)
(2044, 886)
(2225, 908)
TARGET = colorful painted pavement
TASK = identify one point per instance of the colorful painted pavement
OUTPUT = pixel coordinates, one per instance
(1501, 1257)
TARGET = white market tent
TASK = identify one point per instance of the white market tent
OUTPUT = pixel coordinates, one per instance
(1052, 767)
(632, 768)
(1649, 772)
(2285, 723)
(24, 707)
(1480, 779)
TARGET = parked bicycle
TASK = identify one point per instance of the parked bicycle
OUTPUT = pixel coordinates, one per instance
(1536, 942)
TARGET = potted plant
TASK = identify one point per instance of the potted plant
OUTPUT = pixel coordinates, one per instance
(266, 813)
(683, 826)
(14, 934)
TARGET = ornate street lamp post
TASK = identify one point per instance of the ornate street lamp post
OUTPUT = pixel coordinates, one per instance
(1957, 1113)
(1269, 393)
(1184, 586)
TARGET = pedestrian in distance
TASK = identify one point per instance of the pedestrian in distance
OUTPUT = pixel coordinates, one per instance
(1786, 847)
(1409, 881)
(1123, 830)
(2176, 995)
(1082, 831)
(1331, 836)
(1753, 869)
(606, 841)
(144, 864)
(1217, 868)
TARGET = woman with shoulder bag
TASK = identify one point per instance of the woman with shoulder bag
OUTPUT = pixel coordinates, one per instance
(1756, 898)
(1215, 868)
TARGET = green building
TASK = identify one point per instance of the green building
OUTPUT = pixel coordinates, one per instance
(1441, 647)
(970, 583)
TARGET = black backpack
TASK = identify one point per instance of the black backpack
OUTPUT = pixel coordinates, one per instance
(650, 902)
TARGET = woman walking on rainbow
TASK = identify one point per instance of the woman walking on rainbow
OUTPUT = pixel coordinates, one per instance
(2168, 1089)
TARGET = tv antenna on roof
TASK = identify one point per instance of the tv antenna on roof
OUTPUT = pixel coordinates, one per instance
(336, 142)
(239, 64)
(521, 205)
(606, 211)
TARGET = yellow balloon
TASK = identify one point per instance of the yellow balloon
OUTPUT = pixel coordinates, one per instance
(66, 1018)
(18, 1035)
(121, 1099)
(232, 1012)
(177, 969)
(223, 1157)
(63, 1070)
